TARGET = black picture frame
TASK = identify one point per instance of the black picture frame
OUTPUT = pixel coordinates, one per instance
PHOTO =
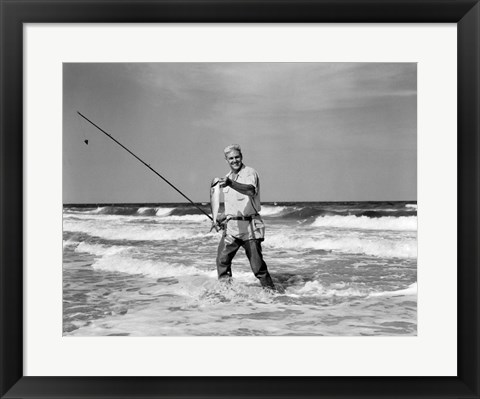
(14, 13)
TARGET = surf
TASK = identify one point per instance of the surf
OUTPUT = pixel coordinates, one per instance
(402, 223)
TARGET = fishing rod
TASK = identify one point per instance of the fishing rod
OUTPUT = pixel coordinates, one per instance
(147, 165)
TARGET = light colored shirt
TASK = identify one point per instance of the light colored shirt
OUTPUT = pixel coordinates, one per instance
(238, 204)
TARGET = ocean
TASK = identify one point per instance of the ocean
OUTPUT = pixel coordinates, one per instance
(347, 269)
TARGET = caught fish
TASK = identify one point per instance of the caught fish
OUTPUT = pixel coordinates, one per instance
(215, 201)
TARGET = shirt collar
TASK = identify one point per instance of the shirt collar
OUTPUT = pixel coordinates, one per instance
(242, 168)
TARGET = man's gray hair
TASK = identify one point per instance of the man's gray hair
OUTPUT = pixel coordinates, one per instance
(232, 147)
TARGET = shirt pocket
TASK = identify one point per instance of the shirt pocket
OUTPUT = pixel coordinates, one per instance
(241, 197)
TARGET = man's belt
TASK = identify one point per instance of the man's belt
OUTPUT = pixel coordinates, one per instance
(248, 218)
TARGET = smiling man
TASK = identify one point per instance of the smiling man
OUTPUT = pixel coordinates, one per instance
(243, 226)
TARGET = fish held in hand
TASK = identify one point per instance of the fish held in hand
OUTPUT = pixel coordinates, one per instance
(215, 192)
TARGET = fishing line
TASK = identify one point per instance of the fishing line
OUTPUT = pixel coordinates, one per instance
(82, 128)
(147, 165)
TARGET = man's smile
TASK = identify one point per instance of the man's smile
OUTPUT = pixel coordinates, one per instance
(234, 159)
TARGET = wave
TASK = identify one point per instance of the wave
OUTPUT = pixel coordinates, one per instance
(189, 210)
(310, 212)
(406, 248)
(315, 288)
(101, 250)
(163, 211)
(286, 210)
(110, 211)
(382, 213)
(188, 218)
(163, 215)
(402, 223)
(116, 210)
(149, 211)
(272, 210)
(92, 217)
(129, 210)
(410, 290)
(125, 264)
(305, 212)
(69, 243)
(134, 232)
(119, 258)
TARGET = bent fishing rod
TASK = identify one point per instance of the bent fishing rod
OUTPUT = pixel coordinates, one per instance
(147, 165)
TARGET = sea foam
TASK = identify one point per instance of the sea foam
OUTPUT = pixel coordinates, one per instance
(410, 290)
(406, 248)
(314, 288)
(121, 262)
(134, 232)
(403, 223)
(101, 250)
(163, 211)
(187, 218)
(271, 210)
(149, 211)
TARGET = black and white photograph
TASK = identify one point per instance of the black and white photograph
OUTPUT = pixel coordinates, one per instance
(239, 199)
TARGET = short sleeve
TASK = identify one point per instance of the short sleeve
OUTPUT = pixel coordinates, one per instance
(251, 178)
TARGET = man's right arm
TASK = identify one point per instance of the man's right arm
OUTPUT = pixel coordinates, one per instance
(245, 189)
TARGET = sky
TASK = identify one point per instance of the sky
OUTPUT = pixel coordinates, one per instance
(313, 131)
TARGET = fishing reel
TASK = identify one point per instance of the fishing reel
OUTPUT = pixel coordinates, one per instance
(220, 224)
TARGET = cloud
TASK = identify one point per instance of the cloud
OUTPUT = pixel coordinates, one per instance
(242, 88)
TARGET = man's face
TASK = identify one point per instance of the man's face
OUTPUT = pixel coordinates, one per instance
(234, 159)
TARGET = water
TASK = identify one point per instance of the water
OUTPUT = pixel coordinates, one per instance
(149, 270)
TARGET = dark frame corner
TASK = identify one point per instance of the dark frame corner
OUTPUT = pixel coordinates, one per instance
(13, 13)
